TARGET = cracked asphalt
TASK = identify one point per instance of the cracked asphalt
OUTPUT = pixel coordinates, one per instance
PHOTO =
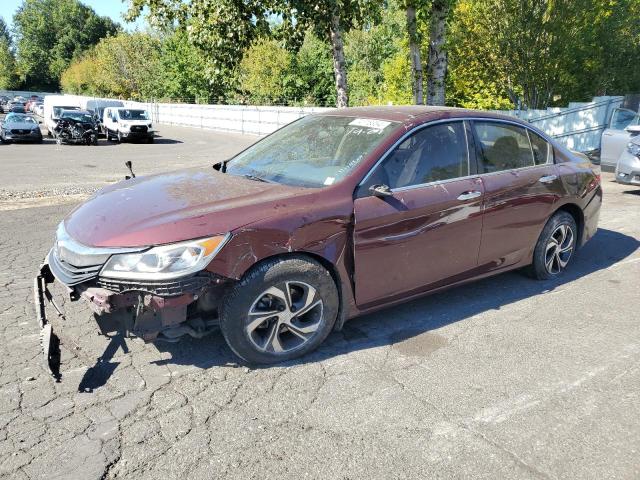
(503, 378)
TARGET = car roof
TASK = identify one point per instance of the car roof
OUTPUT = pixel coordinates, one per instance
(413, 113)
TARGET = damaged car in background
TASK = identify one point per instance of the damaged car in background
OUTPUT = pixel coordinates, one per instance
(333, 216)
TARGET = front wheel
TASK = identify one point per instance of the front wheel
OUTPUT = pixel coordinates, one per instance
(555, 247)
(280, 310)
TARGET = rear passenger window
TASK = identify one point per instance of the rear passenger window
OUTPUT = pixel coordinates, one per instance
(503, 146)
(542, 152)
(432, 154)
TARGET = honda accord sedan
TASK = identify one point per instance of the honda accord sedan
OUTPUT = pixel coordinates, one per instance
(335, 215)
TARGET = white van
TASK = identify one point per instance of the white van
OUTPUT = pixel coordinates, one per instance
(53, 105)
(127, 124)
(97, 106)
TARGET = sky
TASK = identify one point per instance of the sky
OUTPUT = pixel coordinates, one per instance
(108, 8)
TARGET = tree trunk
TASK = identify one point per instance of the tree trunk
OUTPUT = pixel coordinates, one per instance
(414, 52)
(437, 64)
(339, 64)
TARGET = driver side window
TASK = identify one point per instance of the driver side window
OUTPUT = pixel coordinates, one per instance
(432, 154)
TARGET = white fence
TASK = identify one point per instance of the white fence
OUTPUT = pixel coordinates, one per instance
(231, 118)
(578, 126)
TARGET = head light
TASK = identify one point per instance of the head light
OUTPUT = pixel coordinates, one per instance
(166, 261)
(633, 148)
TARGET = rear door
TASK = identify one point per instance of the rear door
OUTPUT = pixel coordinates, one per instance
(426, 231)
(521, 184)
(615, 138)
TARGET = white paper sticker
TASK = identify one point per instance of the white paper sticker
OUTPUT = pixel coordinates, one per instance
(329, 180)
(370, 123)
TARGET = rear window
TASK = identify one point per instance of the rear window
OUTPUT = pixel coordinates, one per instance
(503, 146)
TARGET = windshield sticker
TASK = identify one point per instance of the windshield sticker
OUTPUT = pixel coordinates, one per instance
(329, 180)
(370, 123)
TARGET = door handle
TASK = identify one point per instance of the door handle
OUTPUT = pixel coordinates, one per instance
(469, 195)
(608, 134)
(548, 179)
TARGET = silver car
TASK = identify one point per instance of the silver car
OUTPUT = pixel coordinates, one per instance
(616, 137)
(628, 166)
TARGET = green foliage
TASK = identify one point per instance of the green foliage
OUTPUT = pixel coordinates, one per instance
(4, 31)
(396, 86)
(265, 73)
(124, 66)
(313, 68)
(183, 71)
(8, 77)
(50, 34)
(536, 52)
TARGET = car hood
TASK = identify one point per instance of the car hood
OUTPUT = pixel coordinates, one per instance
(20, 125)
(172, 207)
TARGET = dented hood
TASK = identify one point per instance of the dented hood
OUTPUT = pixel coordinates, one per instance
(172, 207)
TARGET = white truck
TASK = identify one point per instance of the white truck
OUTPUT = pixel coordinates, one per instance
(53, 105)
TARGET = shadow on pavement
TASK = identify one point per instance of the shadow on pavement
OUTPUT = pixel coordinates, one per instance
(399, 323)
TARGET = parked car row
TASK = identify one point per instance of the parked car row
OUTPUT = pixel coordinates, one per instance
(66, 121)
(19, 104)
(110, 118)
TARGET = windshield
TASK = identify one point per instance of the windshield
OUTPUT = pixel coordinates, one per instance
(133, 115)
(622, 118)
(20, 119)
(313, 151)
(83, 117)
(58, 110)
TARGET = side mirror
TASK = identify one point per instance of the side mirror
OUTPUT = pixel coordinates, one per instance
(634, 129)
(381, 190)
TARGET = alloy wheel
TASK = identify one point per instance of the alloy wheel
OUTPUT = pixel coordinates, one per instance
(559, 249)
(284, 317)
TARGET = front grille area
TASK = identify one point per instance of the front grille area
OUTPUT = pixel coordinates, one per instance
(167, 288)
(139, 128)
(20, 131)
(70, 274)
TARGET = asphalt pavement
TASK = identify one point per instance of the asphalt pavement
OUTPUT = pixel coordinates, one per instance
(504, 378)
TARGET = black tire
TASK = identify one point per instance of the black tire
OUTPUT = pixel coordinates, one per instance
(248, 295)
(547, 247)
(150, 140)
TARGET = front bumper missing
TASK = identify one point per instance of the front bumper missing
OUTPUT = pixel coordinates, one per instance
(151, 312)
(48, 339)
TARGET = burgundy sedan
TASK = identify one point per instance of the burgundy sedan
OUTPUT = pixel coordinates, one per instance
(335, 215)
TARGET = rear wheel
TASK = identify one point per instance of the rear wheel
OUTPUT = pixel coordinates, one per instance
(555, 247)
(280, 310)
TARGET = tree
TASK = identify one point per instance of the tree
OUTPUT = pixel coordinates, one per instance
(8, 77)
(265, 73)
(368, 51)
(125, 66)
(415, 39)
(50, 34)
(4, 31)
(437, 63)
(225, 28)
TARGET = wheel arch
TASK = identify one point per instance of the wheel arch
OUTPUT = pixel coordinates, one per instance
(578, 215)
(326, 264)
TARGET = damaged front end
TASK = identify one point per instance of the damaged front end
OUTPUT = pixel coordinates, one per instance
(153, 310)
